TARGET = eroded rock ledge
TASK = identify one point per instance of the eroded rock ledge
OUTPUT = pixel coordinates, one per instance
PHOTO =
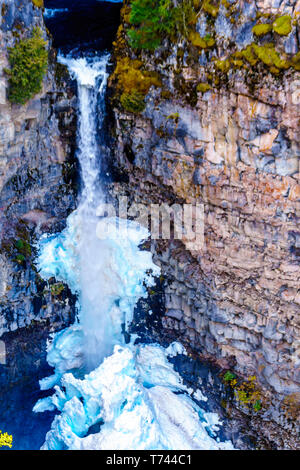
(219, 130)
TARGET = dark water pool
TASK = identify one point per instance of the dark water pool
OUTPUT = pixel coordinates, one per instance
(82, 24)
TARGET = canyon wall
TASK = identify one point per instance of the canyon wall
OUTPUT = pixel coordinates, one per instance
(217, 123)
(36, 176)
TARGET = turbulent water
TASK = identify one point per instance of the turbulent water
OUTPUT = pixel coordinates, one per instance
(109, 394)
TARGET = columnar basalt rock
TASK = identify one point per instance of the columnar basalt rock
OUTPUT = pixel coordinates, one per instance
(233, 146)
(36, 162)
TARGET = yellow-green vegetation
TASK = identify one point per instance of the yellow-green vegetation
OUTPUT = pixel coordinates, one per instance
(254, 54)
(174, 117)
(56, 289)
(237, 63)
(270, 57)
(296, 61)
(133, 102)
(23, 249)
(133, 83)
(262, 29)
(283, 25)
(203, 87)
(229, 376)
(38, 3)
(18, 249)
(202, 43)
(5, 439)
(223, 65)
(246, 392)
(211, 7)
(248, 54)
(28, 61)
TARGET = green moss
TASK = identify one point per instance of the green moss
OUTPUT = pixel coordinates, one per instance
(257, 406)
(237, 63)
(133, 84)
(270, 57)
(291, 406)
(23, 247)
(28, 64)
(203, 87)
(283, 25)
(61, 73)
(202, 43)
(56, 289)
(229, 376)
(262, 29)
(20, 259)
(133, 102)
(38, 3)
(223, 65)
(266, 54)
(249, 55)
(246, 392)
(296, 62)
(211, 7)
(174, 117)
(166, 95)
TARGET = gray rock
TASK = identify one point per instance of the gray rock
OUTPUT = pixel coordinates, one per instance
(175, 313)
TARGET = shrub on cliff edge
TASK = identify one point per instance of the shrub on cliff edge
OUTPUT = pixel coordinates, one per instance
(28, 61)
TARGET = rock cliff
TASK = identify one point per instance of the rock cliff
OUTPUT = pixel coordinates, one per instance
(37, 190)
(212, 117)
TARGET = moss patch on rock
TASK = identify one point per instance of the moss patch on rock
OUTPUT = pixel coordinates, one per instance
(133, 83)
(262, 29)
(134, 102)
(283, 25)
(211, 7)
(270, 57)
(202, 43)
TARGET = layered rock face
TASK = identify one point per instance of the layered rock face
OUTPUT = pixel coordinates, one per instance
(222, 130)
(36, 165)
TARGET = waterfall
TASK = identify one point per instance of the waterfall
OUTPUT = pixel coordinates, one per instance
(130, 392)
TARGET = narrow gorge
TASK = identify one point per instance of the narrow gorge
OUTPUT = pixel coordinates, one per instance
(115, 332)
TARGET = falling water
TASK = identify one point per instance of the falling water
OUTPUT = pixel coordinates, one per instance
(131, 392)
